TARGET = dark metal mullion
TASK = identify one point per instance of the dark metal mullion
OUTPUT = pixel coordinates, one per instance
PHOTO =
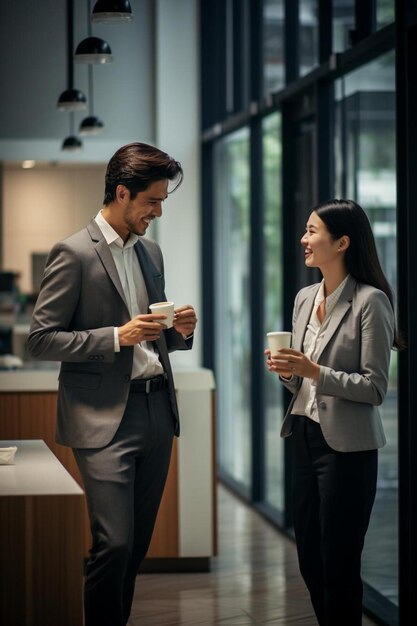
(356, 153)
(256, 55)
(325, 141)
(257, 312)
(229, 58)
(291, 41)
(365, 17)
(213, 62)
(212, 51)
(257, 259)
(289, 262)
(344, 137)
(406, 94)
(238, 16)
(325, 29)
(207, 239)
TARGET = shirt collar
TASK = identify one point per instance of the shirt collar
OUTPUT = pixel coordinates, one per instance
(110, 234)
(333, 298)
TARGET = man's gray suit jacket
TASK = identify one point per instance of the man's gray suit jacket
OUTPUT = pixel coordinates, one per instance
(80, 302)
(354, 357)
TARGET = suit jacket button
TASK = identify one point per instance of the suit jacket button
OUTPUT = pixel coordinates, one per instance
(322, 405)
(126, 378)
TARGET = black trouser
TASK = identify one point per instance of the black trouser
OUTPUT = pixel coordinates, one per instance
(124, 483)
(333, 495)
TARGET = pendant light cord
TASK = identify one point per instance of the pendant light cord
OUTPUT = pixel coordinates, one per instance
(70, 37)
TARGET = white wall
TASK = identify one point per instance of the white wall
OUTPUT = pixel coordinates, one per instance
(42, 206)
(178, 132)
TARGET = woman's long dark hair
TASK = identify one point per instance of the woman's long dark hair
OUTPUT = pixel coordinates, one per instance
(345, 217)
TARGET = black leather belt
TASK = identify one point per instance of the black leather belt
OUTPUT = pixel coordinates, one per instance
(148, 385)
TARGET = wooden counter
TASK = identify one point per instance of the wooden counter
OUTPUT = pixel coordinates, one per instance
(41, 530)
(185, 531)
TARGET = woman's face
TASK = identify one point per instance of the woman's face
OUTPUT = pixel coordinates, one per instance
(320, 249)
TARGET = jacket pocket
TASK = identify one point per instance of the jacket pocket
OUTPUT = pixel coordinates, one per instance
(81, 380)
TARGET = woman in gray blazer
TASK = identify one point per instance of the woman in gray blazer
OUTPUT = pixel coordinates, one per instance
(337, 370)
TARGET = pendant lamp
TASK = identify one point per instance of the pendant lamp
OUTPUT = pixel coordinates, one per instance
(93, 50)
(112, 11)
(90, 125)
(71, 99)
(71, 143)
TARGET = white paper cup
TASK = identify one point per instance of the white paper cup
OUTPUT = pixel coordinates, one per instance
(278, 340)
(164, 308)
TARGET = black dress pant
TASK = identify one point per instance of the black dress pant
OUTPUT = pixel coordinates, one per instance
(333, 495)
(123, 483)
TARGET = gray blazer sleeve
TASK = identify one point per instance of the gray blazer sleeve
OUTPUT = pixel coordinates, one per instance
(369, 385)
(292, 384)
(50, 338)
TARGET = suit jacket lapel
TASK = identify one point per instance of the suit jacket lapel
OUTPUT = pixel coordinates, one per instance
(343, 305)
(148, 271)
(106, 257)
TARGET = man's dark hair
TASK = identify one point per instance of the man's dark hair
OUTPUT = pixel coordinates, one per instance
(138, 165)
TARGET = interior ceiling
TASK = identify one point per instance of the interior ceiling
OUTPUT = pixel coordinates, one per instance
(33, 71)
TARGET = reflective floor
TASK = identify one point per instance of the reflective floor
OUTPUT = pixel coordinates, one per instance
(254, 580)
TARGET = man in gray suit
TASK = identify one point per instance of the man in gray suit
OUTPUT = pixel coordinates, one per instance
(116, 398)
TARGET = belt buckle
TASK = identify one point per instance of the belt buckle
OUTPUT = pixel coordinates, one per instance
(148, 386)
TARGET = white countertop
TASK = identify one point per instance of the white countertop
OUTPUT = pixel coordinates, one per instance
(32, 380)
(36, 472)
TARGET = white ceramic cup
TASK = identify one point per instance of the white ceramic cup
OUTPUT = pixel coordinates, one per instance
(277, 340)
(164, 308)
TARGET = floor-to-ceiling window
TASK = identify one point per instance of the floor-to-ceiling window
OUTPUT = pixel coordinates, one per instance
(305, 135)
(308, 35)
(273, 299)
(366, 172)
(232, 305)
(273, 45)
(343, 24)
(385, 12)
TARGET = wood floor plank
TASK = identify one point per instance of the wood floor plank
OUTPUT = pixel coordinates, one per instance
(254, 581)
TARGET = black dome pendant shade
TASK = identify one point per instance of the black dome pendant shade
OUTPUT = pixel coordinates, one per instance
(112, 11)
(91, 125)
(71, 144)
(93, 50)
(72, 100)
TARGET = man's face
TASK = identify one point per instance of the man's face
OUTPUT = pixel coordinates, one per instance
(147, 205)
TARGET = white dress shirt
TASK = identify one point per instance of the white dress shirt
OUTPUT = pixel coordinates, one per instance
(145, 360)
(305, 403)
